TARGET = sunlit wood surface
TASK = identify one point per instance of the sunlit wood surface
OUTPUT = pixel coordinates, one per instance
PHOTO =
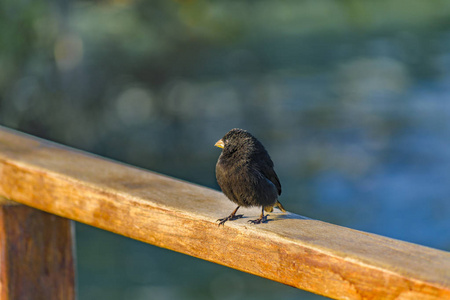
(308, 254)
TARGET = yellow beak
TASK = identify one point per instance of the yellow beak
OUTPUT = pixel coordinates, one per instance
(219, 144)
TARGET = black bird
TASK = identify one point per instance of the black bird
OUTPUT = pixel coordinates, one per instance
(245, 174)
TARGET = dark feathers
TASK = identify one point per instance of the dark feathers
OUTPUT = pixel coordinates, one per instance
(245, 172)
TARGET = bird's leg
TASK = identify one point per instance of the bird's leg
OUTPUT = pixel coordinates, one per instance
(231, 217)
(261, 219)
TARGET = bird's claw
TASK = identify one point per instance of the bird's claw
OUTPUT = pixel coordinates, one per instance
(229, 218)
(259, 220)
(222, 221)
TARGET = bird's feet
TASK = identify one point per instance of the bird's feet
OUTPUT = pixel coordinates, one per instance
(259, 220)
(229, 218)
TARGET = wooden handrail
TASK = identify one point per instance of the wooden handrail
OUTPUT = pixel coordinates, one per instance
(334, 261)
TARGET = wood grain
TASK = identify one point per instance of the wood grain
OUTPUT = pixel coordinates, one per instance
(308, 254)
(36, 259)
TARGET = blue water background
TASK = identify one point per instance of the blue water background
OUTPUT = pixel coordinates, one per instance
(351, 99)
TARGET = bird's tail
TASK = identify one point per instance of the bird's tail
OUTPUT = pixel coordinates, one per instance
(277, 204)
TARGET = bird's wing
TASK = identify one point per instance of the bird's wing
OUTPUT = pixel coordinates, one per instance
(267, 171)
(266, 168)
(272, 176)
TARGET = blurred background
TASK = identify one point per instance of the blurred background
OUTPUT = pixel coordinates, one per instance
(350, 97)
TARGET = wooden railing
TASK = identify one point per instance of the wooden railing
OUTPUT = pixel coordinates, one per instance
(57, 184)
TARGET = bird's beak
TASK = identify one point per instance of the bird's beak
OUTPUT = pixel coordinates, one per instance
(219, 144)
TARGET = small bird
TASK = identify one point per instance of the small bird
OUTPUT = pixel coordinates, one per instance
(245, 174)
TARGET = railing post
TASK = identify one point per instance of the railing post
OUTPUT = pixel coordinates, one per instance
(36, 254)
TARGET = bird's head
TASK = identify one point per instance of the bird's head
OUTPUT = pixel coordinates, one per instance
(236, 139)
